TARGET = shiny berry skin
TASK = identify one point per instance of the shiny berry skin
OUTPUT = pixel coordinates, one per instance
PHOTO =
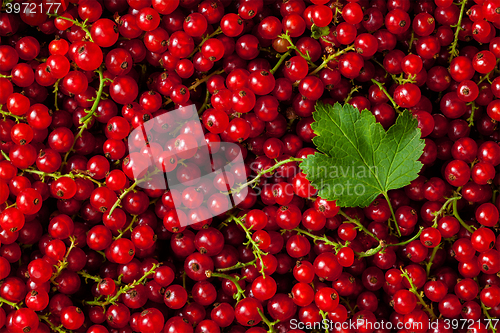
(72, 317)
(103, 118)
(231, 25)
(327, 299)
(124, 89)
(246, 312)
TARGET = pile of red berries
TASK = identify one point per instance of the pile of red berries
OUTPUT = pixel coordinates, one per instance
(91, 242)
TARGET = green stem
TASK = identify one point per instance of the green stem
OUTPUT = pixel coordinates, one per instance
(490, 320)
(412, 39)
(293, 47)
(485, 77)
(415, 291)
(42, 174)
(360, 226)
(337, 11)
(54, 328)
(237, 266)
(383, 245)
(17, 118)
(381, 86)
(56, 89)
(205, 38)
(87, 276)
(337, 246)
(5, 76)
(240, 292)
(196, 83)
(470, 120)
(428, 265)
(270, 325)
(119, 200)
(442, 210)
(83, 25)
(324, 315)
(11, 205)
(392, 213)
(129, 227)
(255, 247)
(13, 304)
(124, 289)
(353, 90)
(409, 240)
(453, 46)
(183, 279)
(205, 103)
(102, 254)
(5, 155)
(263, 172)
(330, 58)
(62, 264)
(455, 213)
(85, 121)
(280, 61)
(57, 175)
(347, 305)
(205, 79)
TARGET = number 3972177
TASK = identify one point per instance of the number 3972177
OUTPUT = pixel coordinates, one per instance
(31, 7)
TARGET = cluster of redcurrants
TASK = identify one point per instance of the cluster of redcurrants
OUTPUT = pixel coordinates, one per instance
(93, 239)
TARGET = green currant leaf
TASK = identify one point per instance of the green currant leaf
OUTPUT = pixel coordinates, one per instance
(357, 159)
(317, 32)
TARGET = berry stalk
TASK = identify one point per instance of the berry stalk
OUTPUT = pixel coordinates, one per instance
(84, 274)
(83, 25)
(269, 324)
(128, 228)
(17, 118)
(462, 222)
(113, 299)
(196, 83)
(381, 86)
(336, 246)
(13, 304)
(330, 58)
(470, 120)
(444, 208)
(240, 291)
(392, 214)
(62, 264)
(383, 245)
(414, 290)
(263, 172)
(205, 38)
(324, 315)
(255, 247)
(56, 89)
(85, 121)
(237, 266)
(428, 265)
(453, 47)
(359, 225)
(56, 175)
(205, 103)
(292, 46)
(120, 198)
(53, 327)
(282, 58)
(490, 319)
